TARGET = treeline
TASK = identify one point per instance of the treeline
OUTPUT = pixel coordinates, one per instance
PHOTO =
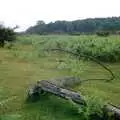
(78, 26)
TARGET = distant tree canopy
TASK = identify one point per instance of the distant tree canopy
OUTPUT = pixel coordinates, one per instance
(6, 34)
(78, 26)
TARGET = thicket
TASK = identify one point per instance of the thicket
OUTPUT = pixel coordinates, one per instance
(103, 49)
(6, 35)
(103, 33)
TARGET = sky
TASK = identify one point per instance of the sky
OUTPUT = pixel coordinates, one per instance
(25, 13)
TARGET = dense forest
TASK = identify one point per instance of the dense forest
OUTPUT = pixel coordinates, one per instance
(91, 25)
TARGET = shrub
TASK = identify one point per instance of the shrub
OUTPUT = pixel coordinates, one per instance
(103, 33)
(6, 34)
(93, 110)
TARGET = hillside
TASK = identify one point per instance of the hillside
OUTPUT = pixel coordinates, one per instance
(90, 25)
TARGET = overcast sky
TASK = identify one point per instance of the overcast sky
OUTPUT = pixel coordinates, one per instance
(26, 12)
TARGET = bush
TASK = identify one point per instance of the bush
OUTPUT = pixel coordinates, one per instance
(75, 33)
(101, 48)
(6, 34)
(93, 109)
(103, 34)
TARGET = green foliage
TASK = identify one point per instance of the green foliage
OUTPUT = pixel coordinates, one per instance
(103, 34)
(10, 117)
(75, 66)
(106, 49)
(3, 106)
(21, 66)
(93, 110)
(60, 107)
(6, 34)
(77, 27)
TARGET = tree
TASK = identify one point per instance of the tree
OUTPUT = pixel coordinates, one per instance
(6, 34)
(40, 22)
(78, 26)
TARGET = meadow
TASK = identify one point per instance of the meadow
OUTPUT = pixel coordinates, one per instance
(29, 59)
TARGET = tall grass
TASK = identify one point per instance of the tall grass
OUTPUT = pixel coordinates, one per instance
(106, 49)
(3, 106)
(17, 75)
(101, 48)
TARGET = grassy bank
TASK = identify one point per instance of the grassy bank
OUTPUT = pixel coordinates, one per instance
(25, 62)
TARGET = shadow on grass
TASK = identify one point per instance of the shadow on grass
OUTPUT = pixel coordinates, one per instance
(51, 107)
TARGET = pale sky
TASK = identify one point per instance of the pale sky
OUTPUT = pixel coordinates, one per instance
(26, 12)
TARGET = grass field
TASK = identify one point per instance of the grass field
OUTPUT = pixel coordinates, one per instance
(25, 63)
